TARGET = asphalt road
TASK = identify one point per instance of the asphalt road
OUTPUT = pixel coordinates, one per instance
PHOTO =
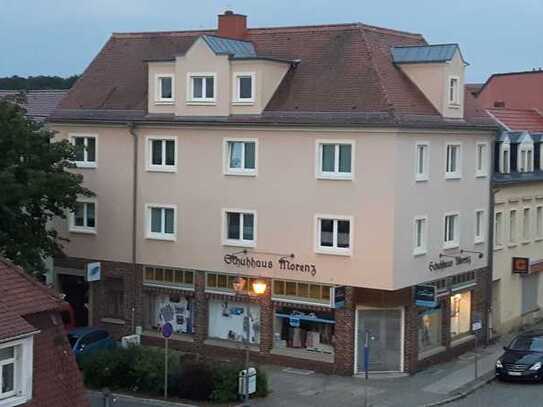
(504, 395)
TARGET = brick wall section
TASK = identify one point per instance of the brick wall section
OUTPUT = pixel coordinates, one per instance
(411, 340)
(344, 335)
(202, 310)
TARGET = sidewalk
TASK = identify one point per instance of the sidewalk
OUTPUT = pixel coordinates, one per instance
(432, 386)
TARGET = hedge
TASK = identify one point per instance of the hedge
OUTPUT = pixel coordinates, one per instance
(141, 369)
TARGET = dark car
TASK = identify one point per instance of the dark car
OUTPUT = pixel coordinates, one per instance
(523, 358)
(84, 341)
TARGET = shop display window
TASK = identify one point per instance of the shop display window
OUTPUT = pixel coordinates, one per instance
(175, 309)
(460, 314)
(303, 330)
(231, 320)
(430, 323)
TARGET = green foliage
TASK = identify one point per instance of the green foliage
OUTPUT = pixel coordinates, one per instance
(37, 82)
(35, 186)
(193, 381)
(226, 383)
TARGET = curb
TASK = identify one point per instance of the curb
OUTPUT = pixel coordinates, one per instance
(146, 401)
(474, 387)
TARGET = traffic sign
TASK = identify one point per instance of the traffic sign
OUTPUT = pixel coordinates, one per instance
(167, 330)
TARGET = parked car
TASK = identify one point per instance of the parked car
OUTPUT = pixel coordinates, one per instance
(84, 341)
(523, 358)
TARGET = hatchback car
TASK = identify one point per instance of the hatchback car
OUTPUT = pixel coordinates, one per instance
(523, 358)
(84, 341)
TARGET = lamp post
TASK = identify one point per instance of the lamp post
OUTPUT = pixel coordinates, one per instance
(258, 288)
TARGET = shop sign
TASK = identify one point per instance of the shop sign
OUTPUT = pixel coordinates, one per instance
(294, 321)
(282, 264)
(425, 296)
(444, 264)
(476, 326)
(94, 271)
(339, 297)
(521, 265)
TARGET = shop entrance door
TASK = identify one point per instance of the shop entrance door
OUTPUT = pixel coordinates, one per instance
(384, 328)
(77, 295)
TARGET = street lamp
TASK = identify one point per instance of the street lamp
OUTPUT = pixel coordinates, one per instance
(258, 288)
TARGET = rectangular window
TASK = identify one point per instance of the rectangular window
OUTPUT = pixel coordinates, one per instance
(301, 292)
(161, 222)
(177, 309)
(161, 154)
(481, 160)
(526, 234)
(241, 157)
(420, 235)
(460, 314)
(453, 165)
(165, 88)
(240, 227)
(430, 324)
(539, 222)
(422, 161)
(173, 277)
(83, 218)
(526, 158)
(498, 230)
(513, 226)
(505, 159)
(244, 87)
(451, 237)
(454, 83)
(335, 160)
(85, 154)
(479, 226)
(234, 321)
(8, 372)
(334, 234)
(202, 87)
(227, 283)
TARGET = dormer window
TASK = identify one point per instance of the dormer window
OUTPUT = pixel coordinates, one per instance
(165, 88)
(202, 87)
(243, 87)
(505, 158)
(454, 96)
(526, 157)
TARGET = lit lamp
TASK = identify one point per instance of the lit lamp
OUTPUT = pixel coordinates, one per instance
(259, 287)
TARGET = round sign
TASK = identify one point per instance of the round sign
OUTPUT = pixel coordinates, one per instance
(167, 330)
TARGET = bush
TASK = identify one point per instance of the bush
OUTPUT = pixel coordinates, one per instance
(226, 383)
(192, 381)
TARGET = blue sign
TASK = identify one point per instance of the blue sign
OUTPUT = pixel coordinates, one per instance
(339, 297)
(167, 330)
(425, 296)
(94, 271)
(294, 321)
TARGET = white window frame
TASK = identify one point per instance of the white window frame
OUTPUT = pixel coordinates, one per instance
(84, 229)
(458, 173)
(224, 230)
(483, 163)
(159, 99)
(334, 250)
(226, 157)
(236, 88)
(538, 223)
(425, 175)
(85, 163)
(451, 244)
(499, 230)
(23, 372)
(526, 226)
(148, 220)
(149, 154)
(505, 167)
(423, 248)
(540, 156)
(479, 238)
(190, 93)
(455, 99)
(512, 237)
(528, 148)
(335, 175)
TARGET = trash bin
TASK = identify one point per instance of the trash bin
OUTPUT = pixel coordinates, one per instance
(252, 381)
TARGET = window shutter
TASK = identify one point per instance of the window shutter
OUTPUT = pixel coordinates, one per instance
(497, 157)
(514, 152)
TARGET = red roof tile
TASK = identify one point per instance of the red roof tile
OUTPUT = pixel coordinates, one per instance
(519, 119)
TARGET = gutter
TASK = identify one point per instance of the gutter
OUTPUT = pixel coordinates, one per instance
(132, 131)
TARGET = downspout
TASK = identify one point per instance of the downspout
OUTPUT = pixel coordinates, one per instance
(132, 131)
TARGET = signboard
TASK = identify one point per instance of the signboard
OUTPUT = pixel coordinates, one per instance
(167, 330)
(285, 264)
(476, 326)
(94, 271)
(425, 296)
(521, 265)
(339, 297)
(294, 321)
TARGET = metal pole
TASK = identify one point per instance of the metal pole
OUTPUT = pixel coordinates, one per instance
(165, 368)
(366, 365)
(246, 396)
(476, 356)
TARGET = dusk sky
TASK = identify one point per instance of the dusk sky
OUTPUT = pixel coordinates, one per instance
(60, 37)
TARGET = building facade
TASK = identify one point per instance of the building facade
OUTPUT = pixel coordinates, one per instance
(216, 157)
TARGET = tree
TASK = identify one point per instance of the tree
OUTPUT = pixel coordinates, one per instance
(35, 186)
(37, 82)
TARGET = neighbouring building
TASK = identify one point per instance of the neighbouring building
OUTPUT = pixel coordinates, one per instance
(37, 366)
(342, 164)
(39, 104)
(515, 101)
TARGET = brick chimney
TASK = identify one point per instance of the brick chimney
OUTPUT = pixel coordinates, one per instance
(232, 25)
